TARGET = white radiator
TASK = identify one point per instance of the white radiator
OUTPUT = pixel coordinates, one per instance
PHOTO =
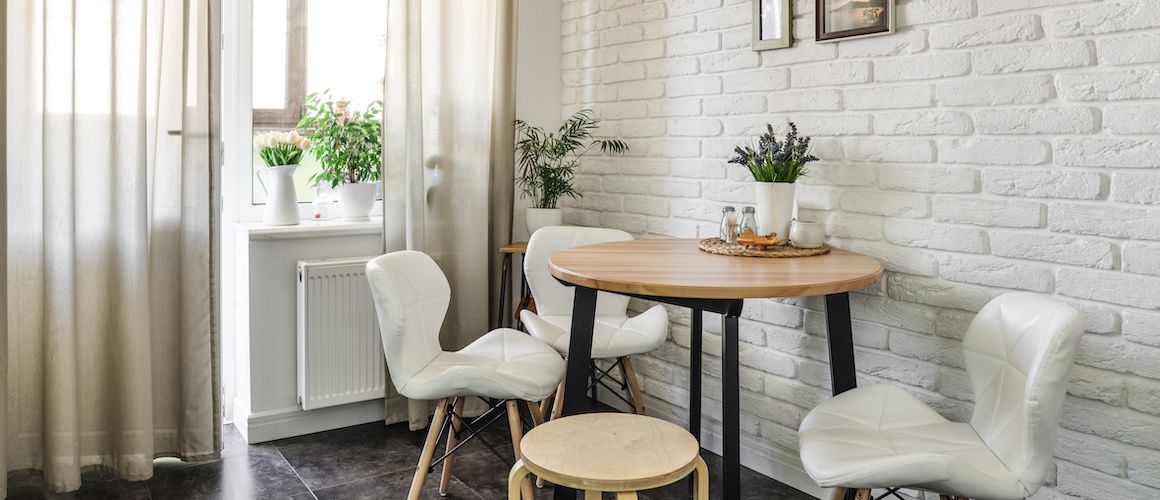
(340, 352)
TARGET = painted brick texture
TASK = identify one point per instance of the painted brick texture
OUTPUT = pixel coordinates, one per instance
(988, 146)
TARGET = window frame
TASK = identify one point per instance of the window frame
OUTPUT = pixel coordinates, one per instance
(291, 111)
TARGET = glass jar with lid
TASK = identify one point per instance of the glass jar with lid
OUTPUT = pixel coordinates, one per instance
(748, 221)
(729, 225)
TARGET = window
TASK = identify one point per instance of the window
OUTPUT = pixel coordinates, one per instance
(305, 46)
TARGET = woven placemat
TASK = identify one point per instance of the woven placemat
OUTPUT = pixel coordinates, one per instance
(719, 247)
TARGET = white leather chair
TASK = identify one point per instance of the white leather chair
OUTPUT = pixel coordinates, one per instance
(504, 366)
(614, 336)
(1018, 352)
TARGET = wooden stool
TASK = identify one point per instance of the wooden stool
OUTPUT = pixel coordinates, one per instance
(613, 452)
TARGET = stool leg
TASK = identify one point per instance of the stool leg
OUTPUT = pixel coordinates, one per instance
(701, 480)
(428, 450)
(626, 495)
(863, 494)
(629, 375)
(592, 495)
(452, 440)
(516, 479)
(517, 431)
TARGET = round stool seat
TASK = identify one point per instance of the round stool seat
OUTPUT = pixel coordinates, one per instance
(610, 452)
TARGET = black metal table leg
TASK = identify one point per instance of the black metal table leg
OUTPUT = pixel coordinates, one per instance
(504, 277)
(730, 405)
(843, 376)
(579, 357)
(695, 350)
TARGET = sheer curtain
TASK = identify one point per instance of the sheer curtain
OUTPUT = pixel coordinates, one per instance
(448, 148)
(111, 355)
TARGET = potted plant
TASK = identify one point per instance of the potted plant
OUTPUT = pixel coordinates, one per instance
(281, 152)
(349, 146)
(775, 166)
(548, 163)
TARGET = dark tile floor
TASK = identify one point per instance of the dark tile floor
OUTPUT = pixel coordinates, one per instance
(370, 461)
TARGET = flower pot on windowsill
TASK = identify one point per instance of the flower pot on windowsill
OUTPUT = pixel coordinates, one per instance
(355, 200)
(536, 218)
(775, 204)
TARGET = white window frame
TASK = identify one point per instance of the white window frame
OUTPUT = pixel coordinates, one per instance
(238, 118)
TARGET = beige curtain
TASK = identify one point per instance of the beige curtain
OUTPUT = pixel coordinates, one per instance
(110, 346)
(447, 148)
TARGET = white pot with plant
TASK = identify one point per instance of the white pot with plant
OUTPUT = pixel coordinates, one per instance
(775, 166)
(349, 146)
(548, 163)
(281, 152)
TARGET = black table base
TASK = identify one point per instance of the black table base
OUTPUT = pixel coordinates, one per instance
(842, 371)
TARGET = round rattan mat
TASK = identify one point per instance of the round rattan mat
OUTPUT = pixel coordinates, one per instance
(719, 247)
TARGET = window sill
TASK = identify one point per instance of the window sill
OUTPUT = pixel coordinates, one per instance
(311, 229)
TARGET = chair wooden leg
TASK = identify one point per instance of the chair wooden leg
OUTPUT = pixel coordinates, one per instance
(592, 495)
(863, 494)
(626, 495)
(839, 493)
(537, 416)
(558, 402)
(428, 450)
(701, 480)
(634, 393)
(516, 479)
(517, 431)
(452, 440)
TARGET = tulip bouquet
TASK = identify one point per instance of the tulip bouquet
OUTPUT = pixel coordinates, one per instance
(281, 148)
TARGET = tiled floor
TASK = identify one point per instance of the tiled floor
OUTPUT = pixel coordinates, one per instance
(370, 461)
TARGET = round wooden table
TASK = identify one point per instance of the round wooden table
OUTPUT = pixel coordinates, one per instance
(674, 271)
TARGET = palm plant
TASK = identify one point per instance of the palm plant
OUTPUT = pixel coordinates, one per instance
(548, 161)
(775, 161)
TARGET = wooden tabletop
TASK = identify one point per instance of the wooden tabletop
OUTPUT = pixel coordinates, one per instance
(515, 247)
(676, 268)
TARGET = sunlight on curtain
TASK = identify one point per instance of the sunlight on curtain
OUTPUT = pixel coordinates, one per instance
(110, 344)
(447, 147)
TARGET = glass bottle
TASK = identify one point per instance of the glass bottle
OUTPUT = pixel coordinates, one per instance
(729, 225)
(748, 221)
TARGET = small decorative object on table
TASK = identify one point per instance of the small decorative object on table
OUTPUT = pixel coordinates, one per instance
(807, 234)
(349, 145)
(282, 152)
(729, 230)
(548, 163)
(775, 166)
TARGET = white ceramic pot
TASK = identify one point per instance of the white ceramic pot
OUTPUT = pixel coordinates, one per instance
(536, 218)
(281, 199)
(356, 200)
(775, 204)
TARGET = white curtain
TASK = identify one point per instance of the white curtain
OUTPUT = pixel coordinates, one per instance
(111, 352)
(448, 148)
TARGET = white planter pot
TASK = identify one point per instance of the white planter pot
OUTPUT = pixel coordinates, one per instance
(281, 199)
(356, 200)
(775, 207)
(536, 218)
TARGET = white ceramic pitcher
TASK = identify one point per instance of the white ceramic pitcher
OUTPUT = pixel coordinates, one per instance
(281, 198)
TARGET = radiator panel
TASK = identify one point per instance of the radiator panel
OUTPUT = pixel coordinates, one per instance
(340, 352)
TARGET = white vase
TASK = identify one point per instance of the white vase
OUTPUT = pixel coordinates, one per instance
(536, 218)
(356, 200)
(775, 204)
(281, 198)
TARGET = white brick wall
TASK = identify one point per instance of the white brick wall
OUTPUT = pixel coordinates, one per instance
(989, 145)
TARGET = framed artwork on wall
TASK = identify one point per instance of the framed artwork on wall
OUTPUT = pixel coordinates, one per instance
(772, 24)
(846, 19)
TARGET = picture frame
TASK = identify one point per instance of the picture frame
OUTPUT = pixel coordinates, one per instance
(772, 24)
(849, 19)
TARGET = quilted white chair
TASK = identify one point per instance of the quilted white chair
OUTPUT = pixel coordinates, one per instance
(614, 336)
(1018, 352)
(503, 367)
